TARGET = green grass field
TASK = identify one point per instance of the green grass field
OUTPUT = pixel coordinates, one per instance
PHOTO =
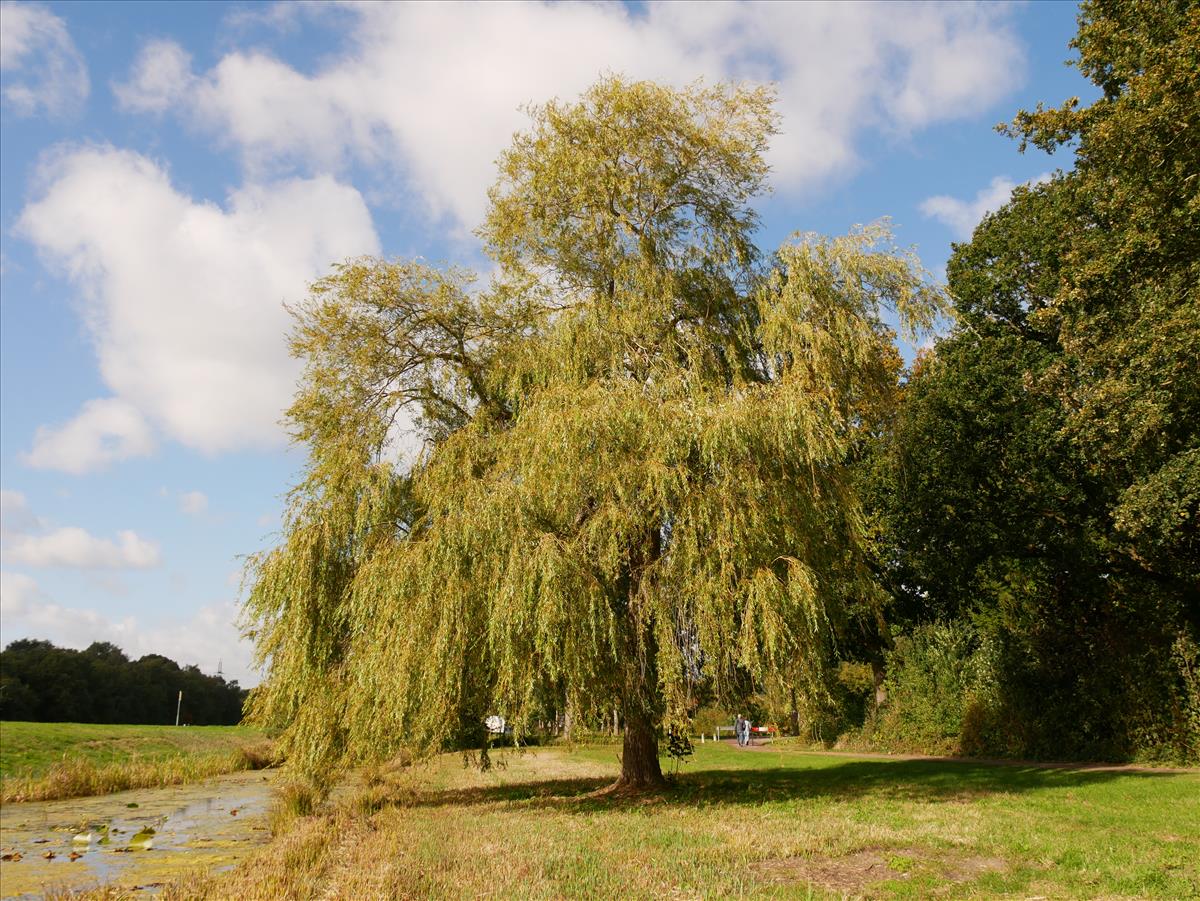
(41, 761)
(773, 824)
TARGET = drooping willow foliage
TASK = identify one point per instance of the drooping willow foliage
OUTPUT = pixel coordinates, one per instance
(635, 445)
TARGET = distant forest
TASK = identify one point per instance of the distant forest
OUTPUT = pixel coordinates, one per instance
(42, 683)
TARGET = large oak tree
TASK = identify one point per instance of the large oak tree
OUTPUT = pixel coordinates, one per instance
(1043, 477)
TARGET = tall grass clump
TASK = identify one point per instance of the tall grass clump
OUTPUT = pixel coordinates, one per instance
(297, 799)
(78, 777)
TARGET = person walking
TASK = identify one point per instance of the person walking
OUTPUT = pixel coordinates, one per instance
(739, 731)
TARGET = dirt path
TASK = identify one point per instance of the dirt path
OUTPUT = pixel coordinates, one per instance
(766, 745)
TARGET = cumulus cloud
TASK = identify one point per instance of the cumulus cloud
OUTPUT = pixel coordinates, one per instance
(277, 17)
(184, 299)
(193, 503)
(44, 71)
(103, 432)
(74, 547)
(18, 592)
(436, 87)
(961, 216)
(27, 540)
(161, 76)
(16, 517)
(207, 639)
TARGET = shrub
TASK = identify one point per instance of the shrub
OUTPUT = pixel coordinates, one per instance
(1184, 740)
(707, 719)
(935, 676)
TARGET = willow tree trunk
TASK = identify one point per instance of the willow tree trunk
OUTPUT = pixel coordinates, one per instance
(641, 700)
(641, 708)
(640, 768)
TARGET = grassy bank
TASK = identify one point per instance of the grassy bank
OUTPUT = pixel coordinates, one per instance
(47, 761)
(776, 824)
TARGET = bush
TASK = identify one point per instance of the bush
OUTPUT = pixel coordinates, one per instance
(1187, 717)
(707, 719)
(939, 685)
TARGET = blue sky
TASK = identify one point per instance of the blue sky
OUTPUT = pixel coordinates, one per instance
(171, 174)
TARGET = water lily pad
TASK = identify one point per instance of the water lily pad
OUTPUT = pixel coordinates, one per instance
(94, 832)
(143, 839)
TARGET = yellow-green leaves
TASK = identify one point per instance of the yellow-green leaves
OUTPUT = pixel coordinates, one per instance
(636, 442)
(633, 172)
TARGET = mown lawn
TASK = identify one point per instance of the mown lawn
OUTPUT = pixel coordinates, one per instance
(33, 747)
(737, 824)
(40, 761)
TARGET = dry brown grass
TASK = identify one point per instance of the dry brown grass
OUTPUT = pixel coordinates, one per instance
(80, 777)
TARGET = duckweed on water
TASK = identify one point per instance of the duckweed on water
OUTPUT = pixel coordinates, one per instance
(168, 833)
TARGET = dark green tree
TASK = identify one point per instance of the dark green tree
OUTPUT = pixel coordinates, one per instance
(43, 683)
(1043, 477)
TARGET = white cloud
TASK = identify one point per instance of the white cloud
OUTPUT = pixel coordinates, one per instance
(104, 431)
(436, 87)
(16, 516)
(961, 216)
(193, 503)
(27, 541)
(18, 593)
(43, 68)
(161, 76)
(207, 639)
(278, 17)
(184, 299)
(75, 547)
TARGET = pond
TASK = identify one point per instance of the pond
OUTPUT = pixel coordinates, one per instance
(137, 838)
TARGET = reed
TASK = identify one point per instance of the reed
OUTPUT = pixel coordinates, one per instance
(76, 777)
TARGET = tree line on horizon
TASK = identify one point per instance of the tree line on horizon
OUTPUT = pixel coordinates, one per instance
(666, 471)
(42, 683)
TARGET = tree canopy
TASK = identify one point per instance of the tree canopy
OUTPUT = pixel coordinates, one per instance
(43, 683)
(636, 442)
(1128, 301)
(1043, 476)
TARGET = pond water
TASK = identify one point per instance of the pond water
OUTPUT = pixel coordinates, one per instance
(212, 824)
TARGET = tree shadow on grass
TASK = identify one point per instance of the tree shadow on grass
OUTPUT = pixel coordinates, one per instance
(908, 780)
(930, 781)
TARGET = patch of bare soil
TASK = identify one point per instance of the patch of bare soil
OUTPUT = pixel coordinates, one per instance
(848, 874)
(623, 791)
(964, 869)
(854, 874)
(968, 796)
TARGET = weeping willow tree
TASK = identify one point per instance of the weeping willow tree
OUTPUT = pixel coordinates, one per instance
(635, 442)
